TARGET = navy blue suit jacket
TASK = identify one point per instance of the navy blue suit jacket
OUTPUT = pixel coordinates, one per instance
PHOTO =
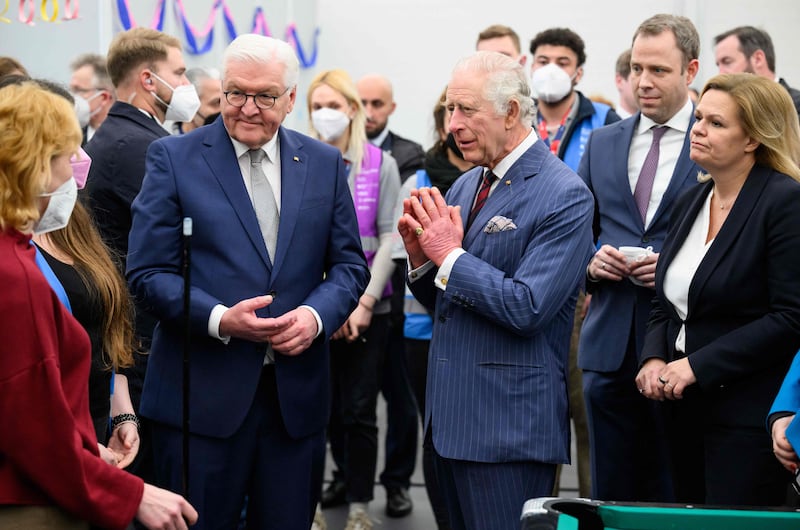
(618, 308)
(318, 262)
(743, 324)
(496, 389)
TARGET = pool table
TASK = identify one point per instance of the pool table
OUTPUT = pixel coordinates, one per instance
(584, 514)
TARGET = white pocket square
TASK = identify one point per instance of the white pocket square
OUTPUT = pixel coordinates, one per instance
(498, 223)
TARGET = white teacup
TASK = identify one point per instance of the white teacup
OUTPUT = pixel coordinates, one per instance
(635, 254)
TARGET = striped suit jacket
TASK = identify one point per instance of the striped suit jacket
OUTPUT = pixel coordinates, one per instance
(496, 389)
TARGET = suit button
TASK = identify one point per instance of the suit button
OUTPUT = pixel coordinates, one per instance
(442, 318)
(647, 239)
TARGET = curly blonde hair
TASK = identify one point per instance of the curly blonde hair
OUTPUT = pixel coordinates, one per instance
(37, 125)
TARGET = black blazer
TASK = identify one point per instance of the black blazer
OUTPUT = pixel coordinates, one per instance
(743, 322)
(409, 155)
(118, 150)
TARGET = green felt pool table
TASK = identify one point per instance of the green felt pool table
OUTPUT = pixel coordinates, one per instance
(584, 514)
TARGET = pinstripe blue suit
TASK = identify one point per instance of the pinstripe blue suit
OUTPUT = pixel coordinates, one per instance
(496, 389)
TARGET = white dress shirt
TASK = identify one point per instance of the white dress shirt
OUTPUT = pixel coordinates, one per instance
(680, 273)
(670, 150)
(271, 165)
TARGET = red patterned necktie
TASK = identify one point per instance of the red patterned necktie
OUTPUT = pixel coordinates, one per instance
(483, 194)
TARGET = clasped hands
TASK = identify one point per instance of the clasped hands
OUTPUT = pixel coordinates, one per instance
(290, 334)
(659, 380)
(429, 227)
(609, 263)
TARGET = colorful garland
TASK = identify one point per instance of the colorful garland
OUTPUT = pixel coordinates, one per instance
(201, 41)
(198, 42)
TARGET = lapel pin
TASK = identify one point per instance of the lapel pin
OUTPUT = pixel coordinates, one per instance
(296, 159)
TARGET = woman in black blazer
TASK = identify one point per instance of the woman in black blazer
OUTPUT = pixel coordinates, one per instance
(726, 321)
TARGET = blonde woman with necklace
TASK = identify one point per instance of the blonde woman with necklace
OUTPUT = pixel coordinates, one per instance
(726, 322)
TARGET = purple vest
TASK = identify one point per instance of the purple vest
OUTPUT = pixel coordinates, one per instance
(366, 197)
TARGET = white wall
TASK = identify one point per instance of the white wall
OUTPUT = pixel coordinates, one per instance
(415, 42)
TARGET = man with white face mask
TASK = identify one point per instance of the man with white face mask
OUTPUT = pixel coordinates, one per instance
(148, 72)
(91, 87)
(564, 117)
(564, 120)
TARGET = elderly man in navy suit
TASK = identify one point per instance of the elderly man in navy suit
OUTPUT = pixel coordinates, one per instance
(277, 268)
(503, 280)
(636, 169)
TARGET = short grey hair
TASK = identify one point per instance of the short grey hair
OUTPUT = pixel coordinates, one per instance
(197, 75)
(263, 50)
(506, 82)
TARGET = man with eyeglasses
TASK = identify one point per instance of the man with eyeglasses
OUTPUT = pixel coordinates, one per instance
(91, 85)
(277, 266)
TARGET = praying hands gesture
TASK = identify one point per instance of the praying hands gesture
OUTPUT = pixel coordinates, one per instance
(429, 227)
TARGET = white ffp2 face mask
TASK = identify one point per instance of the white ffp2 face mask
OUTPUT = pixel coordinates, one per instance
(184, 103)
(83, 110)
(330, 123)
(551, 83)
(59, 209)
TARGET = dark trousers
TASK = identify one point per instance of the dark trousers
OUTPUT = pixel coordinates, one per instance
(401, 413)
(721, 465)
(628, 450)
(489, 496)
(417, 363)
(280, 476)
(353, 428)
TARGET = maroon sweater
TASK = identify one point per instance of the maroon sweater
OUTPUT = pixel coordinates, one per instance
(48, 448)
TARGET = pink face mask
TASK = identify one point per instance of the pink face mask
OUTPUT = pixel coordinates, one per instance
(80, 167)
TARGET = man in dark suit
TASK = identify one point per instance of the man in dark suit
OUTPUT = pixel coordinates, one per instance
(750, 49)
(143, 65)
(502, 282)
(276, 268)
(91, 83)
(627, 451)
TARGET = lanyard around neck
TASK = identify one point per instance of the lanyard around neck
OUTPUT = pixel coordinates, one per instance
(545, 136)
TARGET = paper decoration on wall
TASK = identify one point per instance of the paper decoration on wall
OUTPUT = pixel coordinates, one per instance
(200, 41)
(27, 10)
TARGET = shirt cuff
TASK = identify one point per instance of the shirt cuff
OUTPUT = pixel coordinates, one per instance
(316, 317)
(419, 272)
(213, 323)
(443, 274)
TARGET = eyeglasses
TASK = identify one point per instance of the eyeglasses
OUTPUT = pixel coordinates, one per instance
(262, 101)
(85, 91)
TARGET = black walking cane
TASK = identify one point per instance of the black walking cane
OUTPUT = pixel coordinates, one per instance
(187, 254)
